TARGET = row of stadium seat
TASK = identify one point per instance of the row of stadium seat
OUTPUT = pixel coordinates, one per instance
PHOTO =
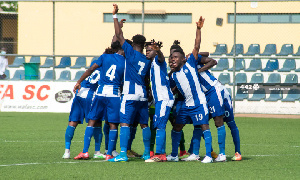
(273, 79)
(254, 49)
(64, 62)
(256, 64)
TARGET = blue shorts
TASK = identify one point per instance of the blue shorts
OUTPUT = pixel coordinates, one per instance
(229, 116)
(134, 110)
(198, 115)
(162, 112)
(105, 108)
(215, 103)
(81, 106)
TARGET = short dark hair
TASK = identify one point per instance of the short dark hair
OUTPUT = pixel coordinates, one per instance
(158, 43)
(116, 45)
(139, 40)
(176, 45)
(129, 41)
(180, 51)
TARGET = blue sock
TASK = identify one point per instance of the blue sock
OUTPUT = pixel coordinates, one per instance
(235, 135)
(160, 140)
(191, 146)
(87, 138)
(176, 137)
(106, 132)
(124, 137)
(115, 144)
(146, 139)
(197, 133)
(221, 139)
(207, 138)
(163, 151)
(132, 137)
(98, 137)
(69, 136)
(113, 135)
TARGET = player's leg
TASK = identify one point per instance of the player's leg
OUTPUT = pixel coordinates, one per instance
(106, 128)
(98, 139)
(153, 132)
(143, 118)
(130, 152)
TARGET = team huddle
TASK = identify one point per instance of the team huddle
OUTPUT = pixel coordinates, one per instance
(124, 86)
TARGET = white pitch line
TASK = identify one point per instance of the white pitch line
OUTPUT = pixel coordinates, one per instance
(26, 164)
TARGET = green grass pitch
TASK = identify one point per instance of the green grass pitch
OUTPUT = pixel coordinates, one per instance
(32, 144)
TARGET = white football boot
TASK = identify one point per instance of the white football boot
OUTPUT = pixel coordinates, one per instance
(221, 158)
(192, 157)
(172, 159)
(207, 159)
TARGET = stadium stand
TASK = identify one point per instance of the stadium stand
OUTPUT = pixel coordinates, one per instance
(224, 78)
(272, 65)
(240, 78)
(291, 79)
(286, 49)
(257, 78)
(48, 63)
(220, 49)
(274, 79)
(241, 95)
(258, 95)
(298, 52)
(64, 62)
(270, 49)
(80, 62)
(288, 65)
(293, 95)
(239, 50)
(252, 50)
(35, 59)
(275, 95)
(48, 76)
(229, 90)
(255, 65)
(78, 75)
(239, 65)
(95, 58)
(65, 76)
(222, 65)
(18, 62)
(19, 75)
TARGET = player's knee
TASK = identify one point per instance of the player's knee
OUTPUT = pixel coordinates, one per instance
(219, 121)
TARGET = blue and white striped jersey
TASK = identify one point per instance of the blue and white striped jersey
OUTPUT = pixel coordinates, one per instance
(160, 83)
(112, 74)
(207, 80)
(187, 82)
(137, 66)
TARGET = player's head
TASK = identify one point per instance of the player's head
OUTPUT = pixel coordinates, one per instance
(176, 45)
(177, 60)
(129, 41)
(138, 40)
(116, 45)
(151, 48)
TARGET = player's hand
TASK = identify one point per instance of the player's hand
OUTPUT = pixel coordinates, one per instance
(122, 22)
(116, 9)
(76, 87)
(200, 22)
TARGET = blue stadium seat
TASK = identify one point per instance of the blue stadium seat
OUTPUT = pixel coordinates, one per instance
(239, 65)
(6, 72)
(240, 95)
(224, 78)
(222, 65)
(255, 65)
(257, 78)
(275, 95)
(229, 90)
(272, 65)
(270, 49)
(291, 79)
(48, 76)
(19, 75)
(240, 78)
(274, 79)
(298, 52)
(65, 76)
(288, 65)
(220, 49)
(80, 62)
(253, 49)
(48, 63)
(239, 50)
(18, 61)
(286, 49)
(258, 95)
(292, 96)
(35, 59)
(78, 75)
(297, 70)
(64, 62)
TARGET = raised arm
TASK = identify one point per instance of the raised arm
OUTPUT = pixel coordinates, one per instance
(121, 25)
(86, 74)
(156, 47)
(118, 30)
(209, 63)
(198, 37)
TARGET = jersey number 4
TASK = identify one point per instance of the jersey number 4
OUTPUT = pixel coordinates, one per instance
(111, 72)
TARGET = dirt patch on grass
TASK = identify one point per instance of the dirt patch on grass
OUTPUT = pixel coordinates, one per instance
(284, 116)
